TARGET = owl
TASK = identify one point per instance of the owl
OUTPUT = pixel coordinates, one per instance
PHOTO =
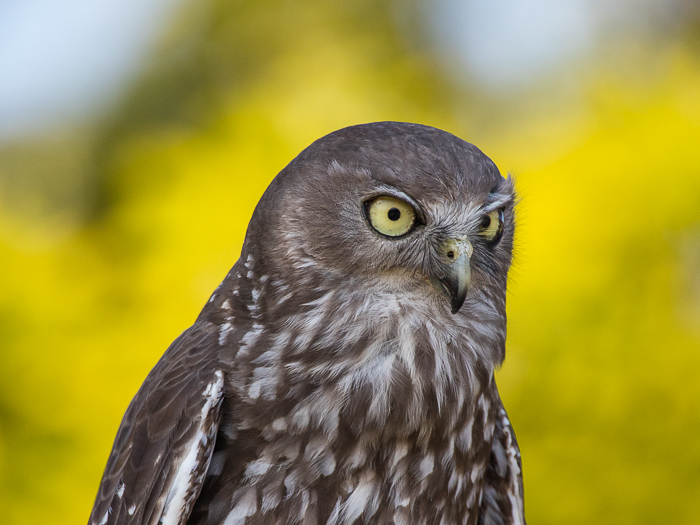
(343, 371)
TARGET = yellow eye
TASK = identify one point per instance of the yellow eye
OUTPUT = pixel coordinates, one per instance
(390, 216)
(492, 226)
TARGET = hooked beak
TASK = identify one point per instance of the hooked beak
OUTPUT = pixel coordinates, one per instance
(456, 271)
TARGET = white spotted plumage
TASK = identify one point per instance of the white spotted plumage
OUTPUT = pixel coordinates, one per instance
(337, 376)
(176, 502)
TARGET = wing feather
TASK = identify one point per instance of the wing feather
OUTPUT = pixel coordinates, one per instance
(165, 442)
(502, 496)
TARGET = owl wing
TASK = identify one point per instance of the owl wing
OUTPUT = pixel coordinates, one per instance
(165, 442)
(502, 497)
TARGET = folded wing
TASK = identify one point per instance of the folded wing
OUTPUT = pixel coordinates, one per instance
(164, 444)
(502, 497)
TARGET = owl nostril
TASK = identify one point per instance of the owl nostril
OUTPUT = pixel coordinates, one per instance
(451, 254)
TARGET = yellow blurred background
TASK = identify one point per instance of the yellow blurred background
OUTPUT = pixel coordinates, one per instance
(116, 224)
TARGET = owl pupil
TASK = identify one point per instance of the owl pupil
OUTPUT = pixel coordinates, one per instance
(486, 222)
(394, 214)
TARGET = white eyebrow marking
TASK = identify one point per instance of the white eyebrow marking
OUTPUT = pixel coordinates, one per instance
(501, 199)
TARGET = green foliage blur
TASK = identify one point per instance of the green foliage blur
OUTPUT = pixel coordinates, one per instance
(113, 235)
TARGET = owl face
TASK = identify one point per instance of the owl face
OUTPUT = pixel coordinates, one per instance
(400, 207)
(440, 241)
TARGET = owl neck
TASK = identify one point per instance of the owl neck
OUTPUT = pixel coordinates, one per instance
(380, 361)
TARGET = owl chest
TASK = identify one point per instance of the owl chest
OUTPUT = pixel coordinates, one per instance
(312, 480)
(367, 448)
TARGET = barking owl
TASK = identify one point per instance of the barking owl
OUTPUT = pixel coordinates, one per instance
(343, 371)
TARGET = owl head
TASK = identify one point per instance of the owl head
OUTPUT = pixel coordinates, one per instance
(391, 207)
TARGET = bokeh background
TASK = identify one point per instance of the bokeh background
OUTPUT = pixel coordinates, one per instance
(137, 136)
